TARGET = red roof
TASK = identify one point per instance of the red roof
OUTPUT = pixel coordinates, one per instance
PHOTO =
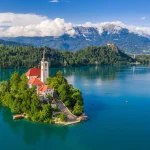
(34, 72)
(35, 81)
(43, 88)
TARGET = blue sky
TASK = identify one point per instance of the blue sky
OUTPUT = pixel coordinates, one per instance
(81, 11)
(56, 18)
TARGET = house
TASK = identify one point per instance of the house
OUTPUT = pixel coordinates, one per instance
(35, 82)
(45, 90)
(33, 73)
(54, 104)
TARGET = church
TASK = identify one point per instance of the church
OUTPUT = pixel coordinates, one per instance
(37, 77)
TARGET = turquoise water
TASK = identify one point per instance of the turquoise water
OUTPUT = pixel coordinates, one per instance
(113, 125)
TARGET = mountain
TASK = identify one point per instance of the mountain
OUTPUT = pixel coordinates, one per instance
(11, 43)
(127, 40)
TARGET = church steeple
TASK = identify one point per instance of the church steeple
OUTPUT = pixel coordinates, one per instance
(44, 68)
(43, 59)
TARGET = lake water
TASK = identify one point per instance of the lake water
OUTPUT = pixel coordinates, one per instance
(113, 125)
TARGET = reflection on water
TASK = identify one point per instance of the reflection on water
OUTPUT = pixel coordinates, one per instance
(23, 128)
(5, 74)
(88, 72)
(102, 72)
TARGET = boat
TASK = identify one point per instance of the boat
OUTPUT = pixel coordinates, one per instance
(84, 117)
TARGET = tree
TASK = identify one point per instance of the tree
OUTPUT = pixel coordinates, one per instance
(46, 113)
(62, 117)
(23, 83)
(49, 98)
(35, 103)
(14, 82)
(78, 109)
(64, 92)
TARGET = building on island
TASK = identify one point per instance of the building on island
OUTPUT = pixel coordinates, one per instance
(33, 73)
(44, 69)
(35, 82)
(113, 47)
(37, 78)
(45, 90)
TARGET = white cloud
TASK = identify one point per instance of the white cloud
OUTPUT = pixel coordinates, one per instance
(46, 27)
(13, 25)
(112, 27)
(11, 19)
(143, 18)
(54, 1)
(115, 27)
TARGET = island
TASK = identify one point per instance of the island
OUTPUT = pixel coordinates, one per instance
(39, 97)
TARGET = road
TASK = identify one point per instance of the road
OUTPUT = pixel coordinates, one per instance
(71, 119)
(63, 108)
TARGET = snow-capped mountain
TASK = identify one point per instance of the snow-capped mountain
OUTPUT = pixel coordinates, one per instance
(129, 38)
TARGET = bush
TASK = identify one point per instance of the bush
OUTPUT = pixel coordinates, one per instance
(56, 109)
(52, 121)
(62, 117)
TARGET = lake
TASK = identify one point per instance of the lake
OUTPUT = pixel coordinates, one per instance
(113, 125)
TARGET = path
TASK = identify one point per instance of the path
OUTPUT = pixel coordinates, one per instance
(71, 119)
(63, 108)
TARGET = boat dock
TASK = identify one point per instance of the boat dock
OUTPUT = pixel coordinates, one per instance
(84, 117)
(19, 116)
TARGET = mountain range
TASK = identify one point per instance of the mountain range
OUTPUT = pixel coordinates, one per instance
(130, 42)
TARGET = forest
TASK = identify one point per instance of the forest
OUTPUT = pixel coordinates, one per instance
(29, 56)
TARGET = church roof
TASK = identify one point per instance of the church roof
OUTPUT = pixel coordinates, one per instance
(43, 88)
(35, 81)
(34, 72)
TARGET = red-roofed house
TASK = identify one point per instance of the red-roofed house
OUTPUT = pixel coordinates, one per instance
(33, 73)
(35, 82)
(45, 90)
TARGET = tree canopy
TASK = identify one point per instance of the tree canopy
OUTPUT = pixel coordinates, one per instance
(29, 56)
(16, 95)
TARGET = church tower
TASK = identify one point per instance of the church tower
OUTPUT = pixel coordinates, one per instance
(44, 69)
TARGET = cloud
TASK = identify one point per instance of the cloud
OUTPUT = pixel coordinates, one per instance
(14, 25)
(116, 26)
(112, 27)
(143, 18)
(54, 1)
(56, 27)
(11, 19)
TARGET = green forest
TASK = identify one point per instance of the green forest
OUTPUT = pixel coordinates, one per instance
(16, 95)
(29, 56)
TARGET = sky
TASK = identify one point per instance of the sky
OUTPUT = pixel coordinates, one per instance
(81, 11)
(21, 14)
